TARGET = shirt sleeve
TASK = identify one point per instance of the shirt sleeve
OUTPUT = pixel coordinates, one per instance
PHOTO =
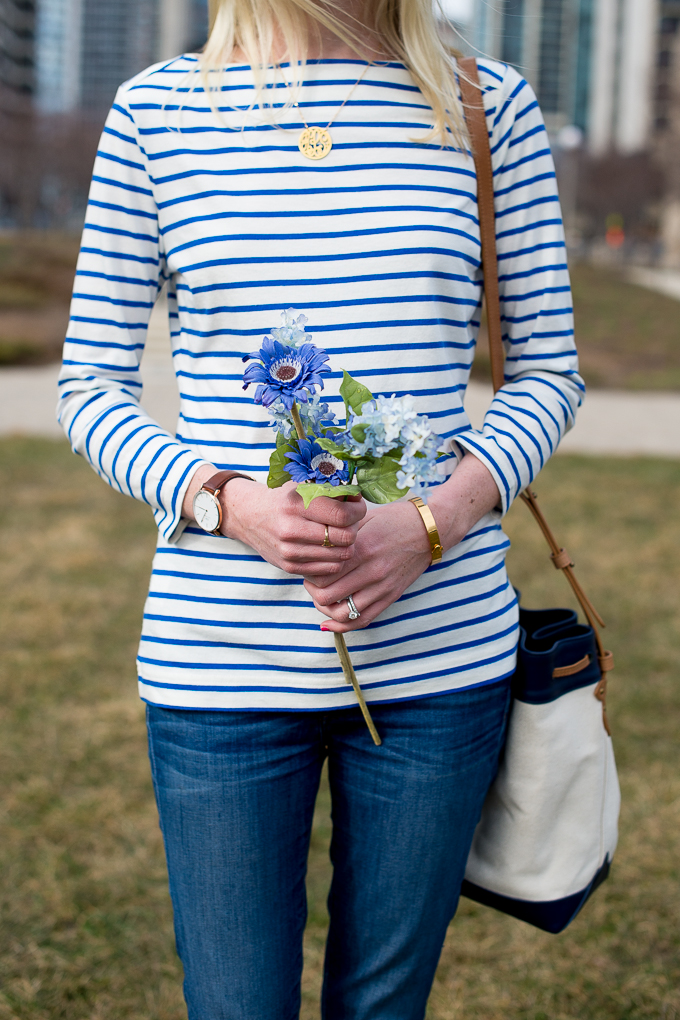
(542, 390)
(119, 273)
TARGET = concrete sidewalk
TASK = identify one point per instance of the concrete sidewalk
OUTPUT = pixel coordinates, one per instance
(614, 422)
(610, 422)
(28, 396)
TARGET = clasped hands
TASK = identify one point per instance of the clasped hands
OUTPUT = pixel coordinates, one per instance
(376, 552)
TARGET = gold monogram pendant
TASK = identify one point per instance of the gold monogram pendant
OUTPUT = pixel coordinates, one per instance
(315, 142)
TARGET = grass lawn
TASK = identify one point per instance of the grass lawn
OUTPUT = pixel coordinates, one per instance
(627, 337)
(36, 279)
(86, 925)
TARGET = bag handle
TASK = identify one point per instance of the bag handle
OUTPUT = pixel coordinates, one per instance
(475, 116)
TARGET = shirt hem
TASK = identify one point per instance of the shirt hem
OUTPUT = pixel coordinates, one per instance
(331, 708)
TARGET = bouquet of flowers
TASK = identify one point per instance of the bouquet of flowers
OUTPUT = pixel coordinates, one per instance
(382, 450)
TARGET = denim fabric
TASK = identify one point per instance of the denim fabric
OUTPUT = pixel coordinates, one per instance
(236, 792)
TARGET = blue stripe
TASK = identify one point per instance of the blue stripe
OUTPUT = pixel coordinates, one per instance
(430, 675)
(328, 235)
(285, 192)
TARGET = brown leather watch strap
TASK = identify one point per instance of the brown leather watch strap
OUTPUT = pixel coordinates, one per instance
(217, 482)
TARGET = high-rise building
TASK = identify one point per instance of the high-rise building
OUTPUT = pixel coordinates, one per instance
(666, 85)
(591, 62)
(86, 48)
(17, 24)
(623, 63)
(667, 127)
(117, 40)
(183, 26)
(550, 43)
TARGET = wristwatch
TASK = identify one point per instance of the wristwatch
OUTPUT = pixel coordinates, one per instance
(207, 509)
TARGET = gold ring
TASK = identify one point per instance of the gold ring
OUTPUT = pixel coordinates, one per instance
(327, 544)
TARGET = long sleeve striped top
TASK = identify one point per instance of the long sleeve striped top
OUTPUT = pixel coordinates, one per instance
(378, 244)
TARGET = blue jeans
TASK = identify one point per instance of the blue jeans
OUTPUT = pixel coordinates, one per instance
(236, 792)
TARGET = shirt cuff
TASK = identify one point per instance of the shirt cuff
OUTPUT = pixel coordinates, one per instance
(496, 460)
(171, 525)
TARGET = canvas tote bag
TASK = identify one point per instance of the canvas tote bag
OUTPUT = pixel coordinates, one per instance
(548, 828)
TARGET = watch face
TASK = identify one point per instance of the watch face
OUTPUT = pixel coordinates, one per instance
(206, 511)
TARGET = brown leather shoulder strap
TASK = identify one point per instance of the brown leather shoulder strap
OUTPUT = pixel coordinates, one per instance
(475, 116)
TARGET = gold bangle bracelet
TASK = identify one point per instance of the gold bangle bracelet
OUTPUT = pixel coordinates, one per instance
(431, 528)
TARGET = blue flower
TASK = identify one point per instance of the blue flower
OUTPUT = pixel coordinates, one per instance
(418, 464)
(315, 414)
(285, 373)
(292, 332)
(392, 423)
(312, 464)
(384, 421)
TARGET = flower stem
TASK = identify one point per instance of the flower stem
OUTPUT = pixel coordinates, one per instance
(340, 643)
(297, 421)
(351, 678)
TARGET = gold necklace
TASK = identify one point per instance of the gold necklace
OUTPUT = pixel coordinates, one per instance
(316, 142)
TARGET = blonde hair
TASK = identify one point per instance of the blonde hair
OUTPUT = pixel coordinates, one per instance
(407, 29)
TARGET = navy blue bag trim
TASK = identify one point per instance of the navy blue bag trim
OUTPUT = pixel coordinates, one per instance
(549, 640)
(551, 915)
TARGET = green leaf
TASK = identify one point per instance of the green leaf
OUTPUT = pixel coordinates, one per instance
(377, 480)
(358, 433)
(338, 451)
(354, 394)
(278, 475)
(281, 440)
(310, 490)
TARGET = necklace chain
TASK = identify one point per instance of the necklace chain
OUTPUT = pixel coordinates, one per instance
(316, 142)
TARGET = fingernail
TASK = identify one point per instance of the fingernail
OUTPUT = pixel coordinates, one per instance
(325, 628)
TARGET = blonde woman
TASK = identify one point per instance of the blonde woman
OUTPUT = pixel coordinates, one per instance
(315, 157)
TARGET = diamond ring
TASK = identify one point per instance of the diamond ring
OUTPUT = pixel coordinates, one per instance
(354, 613)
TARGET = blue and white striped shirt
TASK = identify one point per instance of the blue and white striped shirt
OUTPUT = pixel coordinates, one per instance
(378, 244)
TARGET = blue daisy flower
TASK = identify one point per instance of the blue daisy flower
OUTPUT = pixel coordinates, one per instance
(312, 464)
(285, 373)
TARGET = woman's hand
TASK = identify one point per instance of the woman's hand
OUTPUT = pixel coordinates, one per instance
(275, 524)
(393, 549)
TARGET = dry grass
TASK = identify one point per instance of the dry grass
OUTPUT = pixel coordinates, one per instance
(36, 279)
(628, 337)
(86, 929)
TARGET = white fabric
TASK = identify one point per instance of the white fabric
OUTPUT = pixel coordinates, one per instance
(550, 819)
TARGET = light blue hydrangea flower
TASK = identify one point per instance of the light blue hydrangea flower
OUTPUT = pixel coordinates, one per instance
(418, 463)
(391, 423)
(316, 416)
(291, 332)
(383, 420)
